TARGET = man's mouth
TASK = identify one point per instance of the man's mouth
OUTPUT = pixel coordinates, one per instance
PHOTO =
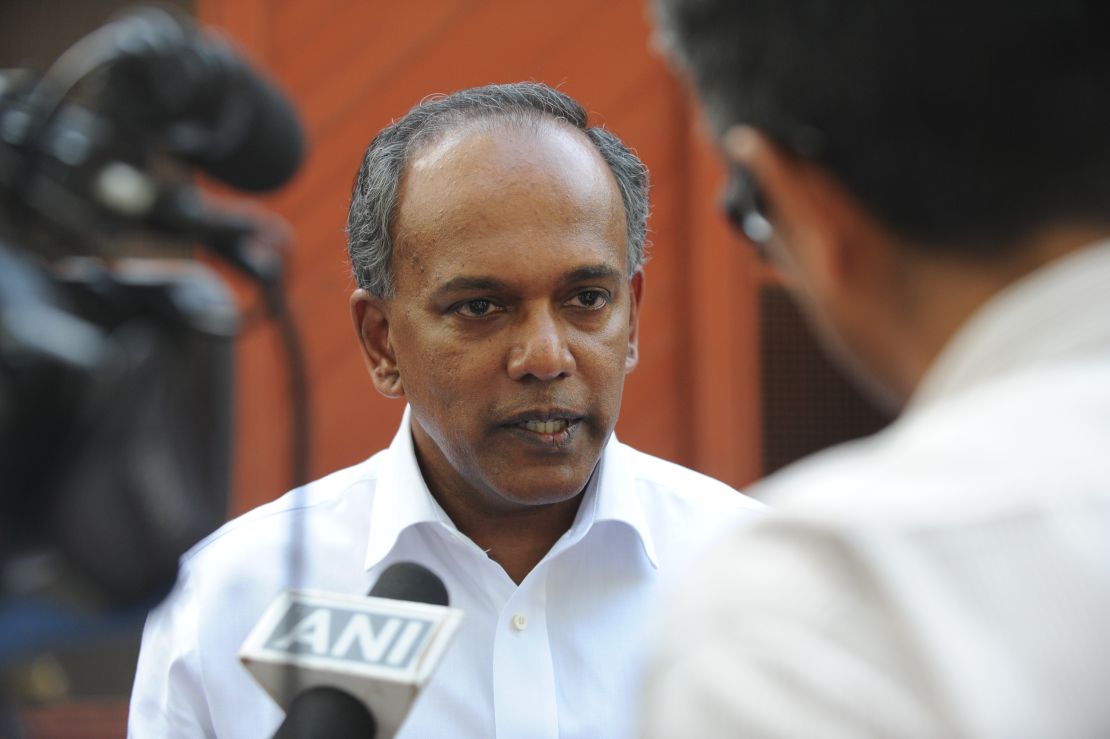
(546, 427)
(551, 428)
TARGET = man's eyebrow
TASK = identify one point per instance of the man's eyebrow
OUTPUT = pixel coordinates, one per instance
(491, 284)
(459, 284)
(593, 272)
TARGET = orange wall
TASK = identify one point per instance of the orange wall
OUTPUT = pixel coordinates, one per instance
(353, 65)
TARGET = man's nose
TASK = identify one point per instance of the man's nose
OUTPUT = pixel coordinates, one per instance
(540, 348)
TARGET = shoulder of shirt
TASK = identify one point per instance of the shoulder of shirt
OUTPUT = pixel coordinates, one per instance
(661, 477)
(315, 496)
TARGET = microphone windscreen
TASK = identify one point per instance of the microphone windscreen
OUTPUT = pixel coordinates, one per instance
(327, 713)
(270, 149)
(412, 582)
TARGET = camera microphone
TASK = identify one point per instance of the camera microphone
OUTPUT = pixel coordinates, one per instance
(209, 107)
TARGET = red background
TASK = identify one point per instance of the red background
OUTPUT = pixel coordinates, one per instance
(351, 67)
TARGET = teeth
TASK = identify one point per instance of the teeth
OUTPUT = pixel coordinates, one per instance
(546, 427)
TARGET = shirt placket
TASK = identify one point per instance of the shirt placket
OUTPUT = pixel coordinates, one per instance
(524, 691)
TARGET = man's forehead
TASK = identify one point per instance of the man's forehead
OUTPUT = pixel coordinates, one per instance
(476, 180)
(499, 142)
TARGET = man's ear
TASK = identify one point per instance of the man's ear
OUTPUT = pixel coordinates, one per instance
(821, 230)
(371, 319)
(636, 294)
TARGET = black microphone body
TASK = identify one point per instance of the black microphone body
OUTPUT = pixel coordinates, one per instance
(327, 713)
(412, 582)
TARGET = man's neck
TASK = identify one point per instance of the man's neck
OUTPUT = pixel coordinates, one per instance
(517, 540)
(516, 536)
(945, 293)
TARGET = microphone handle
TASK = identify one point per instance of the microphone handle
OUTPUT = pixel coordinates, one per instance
(327, 713)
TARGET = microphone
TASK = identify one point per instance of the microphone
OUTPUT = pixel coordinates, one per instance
(343, 665)
(210, 107)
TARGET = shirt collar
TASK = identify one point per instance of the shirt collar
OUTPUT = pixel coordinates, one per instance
(1056, 313)
(611, 495)
(402, 499)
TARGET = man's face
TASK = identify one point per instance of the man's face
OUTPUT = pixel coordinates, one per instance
(513, 322)
(835, 260)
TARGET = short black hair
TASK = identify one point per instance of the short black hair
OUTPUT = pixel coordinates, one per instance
(961, 124)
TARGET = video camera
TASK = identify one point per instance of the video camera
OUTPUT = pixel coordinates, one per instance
(116, 368)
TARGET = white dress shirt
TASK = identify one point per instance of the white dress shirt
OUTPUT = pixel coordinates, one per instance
(557, 656)
(948, 577)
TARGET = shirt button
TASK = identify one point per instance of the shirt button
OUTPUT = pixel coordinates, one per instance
(520, 622)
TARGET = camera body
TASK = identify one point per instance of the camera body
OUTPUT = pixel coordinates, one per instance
(115, 423)
(116, 371)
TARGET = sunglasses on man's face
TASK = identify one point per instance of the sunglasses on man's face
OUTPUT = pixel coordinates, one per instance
(745, 207)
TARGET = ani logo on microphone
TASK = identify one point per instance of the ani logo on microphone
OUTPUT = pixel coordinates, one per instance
(377, 649)
(351, 634)
(330, 638)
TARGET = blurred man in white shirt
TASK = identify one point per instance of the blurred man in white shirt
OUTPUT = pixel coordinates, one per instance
(933, 181)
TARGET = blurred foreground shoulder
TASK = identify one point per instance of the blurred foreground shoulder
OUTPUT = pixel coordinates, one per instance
(685, 487)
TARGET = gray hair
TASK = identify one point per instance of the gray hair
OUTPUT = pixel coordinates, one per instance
(374, 197)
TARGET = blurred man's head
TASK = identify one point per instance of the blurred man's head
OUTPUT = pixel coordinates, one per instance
(497, 242)
(892, 143)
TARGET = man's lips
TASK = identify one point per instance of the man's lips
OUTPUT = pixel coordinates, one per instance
(553, 426)
(541, 416)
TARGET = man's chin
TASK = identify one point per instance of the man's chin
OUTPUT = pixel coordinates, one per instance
(544, 486)
(525, 469)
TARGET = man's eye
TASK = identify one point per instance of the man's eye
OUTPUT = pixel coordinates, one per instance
(476, 308)
(590, 299)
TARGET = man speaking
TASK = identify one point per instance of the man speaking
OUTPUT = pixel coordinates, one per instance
(933, 178)
(497, 243)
